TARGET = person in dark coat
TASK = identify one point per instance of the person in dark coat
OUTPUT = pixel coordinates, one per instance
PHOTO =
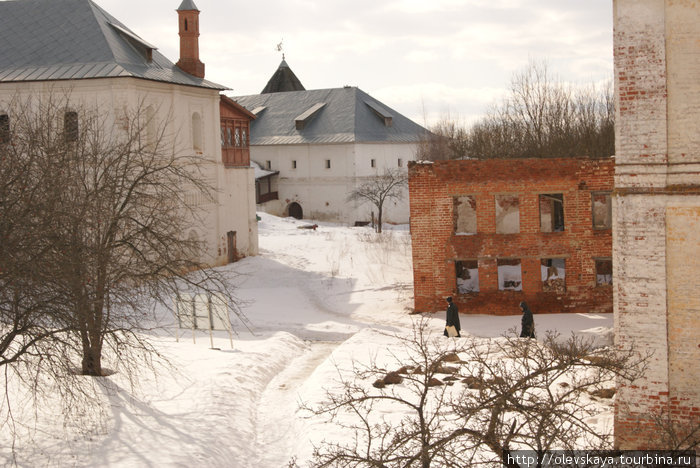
(452, 316)
(528, 322)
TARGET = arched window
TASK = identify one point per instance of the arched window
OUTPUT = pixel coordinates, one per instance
(4, 128)
(197, 131)
(70, 126)
(150, 127)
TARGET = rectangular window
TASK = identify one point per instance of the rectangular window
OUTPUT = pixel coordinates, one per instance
(464, 214)
(551, 212)
(602, 210)
(244, 137)
(467, 274)
(400, 163)
(510, 277)
(228, 136)
(223, 137)
(4, 128)
(294, 163)
(268, 164)
(328, 163)
(553, 275)
(70, 126)
(373, 162)
(603, 271)
(507, 214)
(237, 136)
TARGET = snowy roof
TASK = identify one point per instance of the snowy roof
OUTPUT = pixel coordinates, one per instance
(261, 173)
(42, 40)
(337, 115)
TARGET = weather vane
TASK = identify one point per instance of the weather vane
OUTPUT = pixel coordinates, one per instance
(279, 48)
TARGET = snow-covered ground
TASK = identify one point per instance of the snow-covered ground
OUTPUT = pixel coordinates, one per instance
(315, 298)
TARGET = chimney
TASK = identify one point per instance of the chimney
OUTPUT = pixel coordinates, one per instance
(188, 17)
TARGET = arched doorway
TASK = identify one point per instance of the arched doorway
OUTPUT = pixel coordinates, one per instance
(295, 210)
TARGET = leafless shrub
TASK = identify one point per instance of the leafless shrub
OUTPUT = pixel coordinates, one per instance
(502, 395)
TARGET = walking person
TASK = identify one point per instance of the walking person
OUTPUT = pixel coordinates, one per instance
(452, 319)
(528, 322)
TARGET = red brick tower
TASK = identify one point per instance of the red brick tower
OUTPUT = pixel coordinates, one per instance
(188, 16)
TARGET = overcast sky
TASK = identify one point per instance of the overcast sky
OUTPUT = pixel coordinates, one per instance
(424, 58)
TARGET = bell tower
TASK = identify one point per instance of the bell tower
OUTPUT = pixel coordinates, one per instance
(188, 18)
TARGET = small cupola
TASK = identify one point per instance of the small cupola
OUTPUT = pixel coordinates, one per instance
(188, 19)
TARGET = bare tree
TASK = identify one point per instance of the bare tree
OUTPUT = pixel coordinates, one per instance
(102, 230)
(539, 117)
(379, 189)
(471, 402)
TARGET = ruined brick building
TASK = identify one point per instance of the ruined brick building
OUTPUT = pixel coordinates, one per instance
(493, 233)
(656, 222)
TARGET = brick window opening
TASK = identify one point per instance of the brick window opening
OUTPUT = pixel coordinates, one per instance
(467, 274)
(510, 277)
(602, 210)
(507, 214)
(553, 275)
(464, 214)
(70, 126)
(603, 272)
(4, 128)
(551, 212)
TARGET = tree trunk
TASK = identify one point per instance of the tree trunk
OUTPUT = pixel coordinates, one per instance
(92, 360)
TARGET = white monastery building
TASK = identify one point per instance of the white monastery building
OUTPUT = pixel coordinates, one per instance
(75, 48)
(314, 147)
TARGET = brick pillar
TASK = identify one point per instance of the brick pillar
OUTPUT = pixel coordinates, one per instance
(656, 214)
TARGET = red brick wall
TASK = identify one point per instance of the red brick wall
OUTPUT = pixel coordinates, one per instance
(432, 188)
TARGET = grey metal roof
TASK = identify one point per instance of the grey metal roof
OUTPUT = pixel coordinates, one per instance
(187, 5)
(76, 39)
(348, 116)
(283, 80)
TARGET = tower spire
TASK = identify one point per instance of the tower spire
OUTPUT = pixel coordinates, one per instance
(188, 20)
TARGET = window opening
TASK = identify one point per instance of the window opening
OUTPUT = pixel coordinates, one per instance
(510, 276)
(70, 126)
(467, 274)
(400, 163)
(602, 210)
(196, 131)
(294, 163)
(507, 214)
(553, 275)
(373, 163)
(465, 214)
(4, 128)
(603, 271)
(328, 163)
(268, 164)
(551, 212)
(237, 136)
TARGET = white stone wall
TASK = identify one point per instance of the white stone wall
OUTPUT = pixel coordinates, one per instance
(322, 192)
(175, 105)
(655, 212)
